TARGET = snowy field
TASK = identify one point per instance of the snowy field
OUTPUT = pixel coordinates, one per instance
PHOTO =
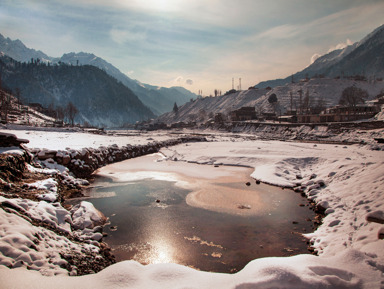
(347, 181)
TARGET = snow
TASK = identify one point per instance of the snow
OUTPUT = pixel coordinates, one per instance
(11, 150)
(85, 215)
(50, 188)
(61, 139)
(22, 245)
(52, 214)
(346, 180)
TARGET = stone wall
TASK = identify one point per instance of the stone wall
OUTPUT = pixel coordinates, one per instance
(82, 163)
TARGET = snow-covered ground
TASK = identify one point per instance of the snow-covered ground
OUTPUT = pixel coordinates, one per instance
(347, 181)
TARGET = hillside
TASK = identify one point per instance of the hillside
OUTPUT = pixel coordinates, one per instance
(321, 91)
(158, 99)
(12, 111)
(360, 65)
(365, 58)
(100, 99)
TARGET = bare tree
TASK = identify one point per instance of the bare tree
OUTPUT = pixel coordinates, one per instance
(60, 113)
(352, 96)
(71, 111)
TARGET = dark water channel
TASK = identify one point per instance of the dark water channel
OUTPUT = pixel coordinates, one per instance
(150, 222)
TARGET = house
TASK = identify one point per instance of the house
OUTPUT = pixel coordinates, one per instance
(340, 114)
(243, 113)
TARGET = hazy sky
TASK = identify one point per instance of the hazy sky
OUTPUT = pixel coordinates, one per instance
(198, 44)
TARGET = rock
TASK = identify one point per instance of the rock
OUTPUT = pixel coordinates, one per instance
(46, 154)
(242, 207)
(313, 176)
(376, 217)
(10, 140)
(321, 183)
(322, 206)
(334, 223)
(66, 160)
(329, 211)
(381, 233)
(313, 193)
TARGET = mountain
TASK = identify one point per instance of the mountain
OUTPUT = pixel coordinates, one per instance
(18, 51)
(360, 65)
(158, 99)
(100, 98)
(365, 58)
(322, 92)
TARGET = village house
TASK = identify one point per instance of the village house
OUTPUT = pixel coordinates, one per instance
(340, 114)
(243, 114)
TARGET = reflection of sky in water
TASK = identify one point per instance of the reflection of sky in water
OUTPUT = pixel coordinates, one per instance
(123, 177)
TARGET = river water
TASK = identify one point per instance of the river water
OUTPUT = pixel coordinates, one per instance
(151, 220)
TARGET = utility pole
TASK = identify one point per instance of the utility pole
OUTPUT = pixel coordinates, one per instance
(300, 103)
(239, 83)
(233, 83)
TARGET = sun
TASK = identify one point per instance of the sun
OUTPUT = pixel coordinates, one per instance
(163, 5)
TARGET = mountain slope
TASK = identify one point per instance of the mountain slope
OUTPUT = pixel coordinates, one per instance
(158, 99)
(100, 99)
(321, 91)
(18, 51)
(365, 57)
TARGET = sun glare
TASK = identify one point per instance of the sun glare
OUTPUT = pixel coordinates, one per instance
(162, 253)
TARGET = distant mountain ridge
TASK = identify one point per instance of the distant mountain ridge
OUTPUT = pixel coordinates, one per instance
(18, 51)
(158, 99)
(365, 57)
(100, 99)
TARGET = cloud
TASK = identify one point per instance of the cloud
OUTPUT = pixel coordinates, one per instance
(315, 57)
(121, 36)
(341, 45)
(281, 32)
(178, 79)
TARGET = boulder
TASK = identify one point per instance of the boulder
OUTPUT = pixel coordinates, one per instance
(10, 140)
(376, 217)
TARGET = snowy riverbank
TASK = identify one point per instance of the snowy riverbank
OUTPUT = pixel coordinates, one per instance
(346, 180)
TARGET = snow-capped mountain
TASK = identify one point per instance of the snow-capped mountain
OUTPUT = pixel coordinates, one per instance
(18, 51)
(158, 99)
(365, 58)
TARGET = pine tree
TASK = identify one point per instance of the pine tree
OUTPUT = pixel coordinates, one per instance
(175, 108)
